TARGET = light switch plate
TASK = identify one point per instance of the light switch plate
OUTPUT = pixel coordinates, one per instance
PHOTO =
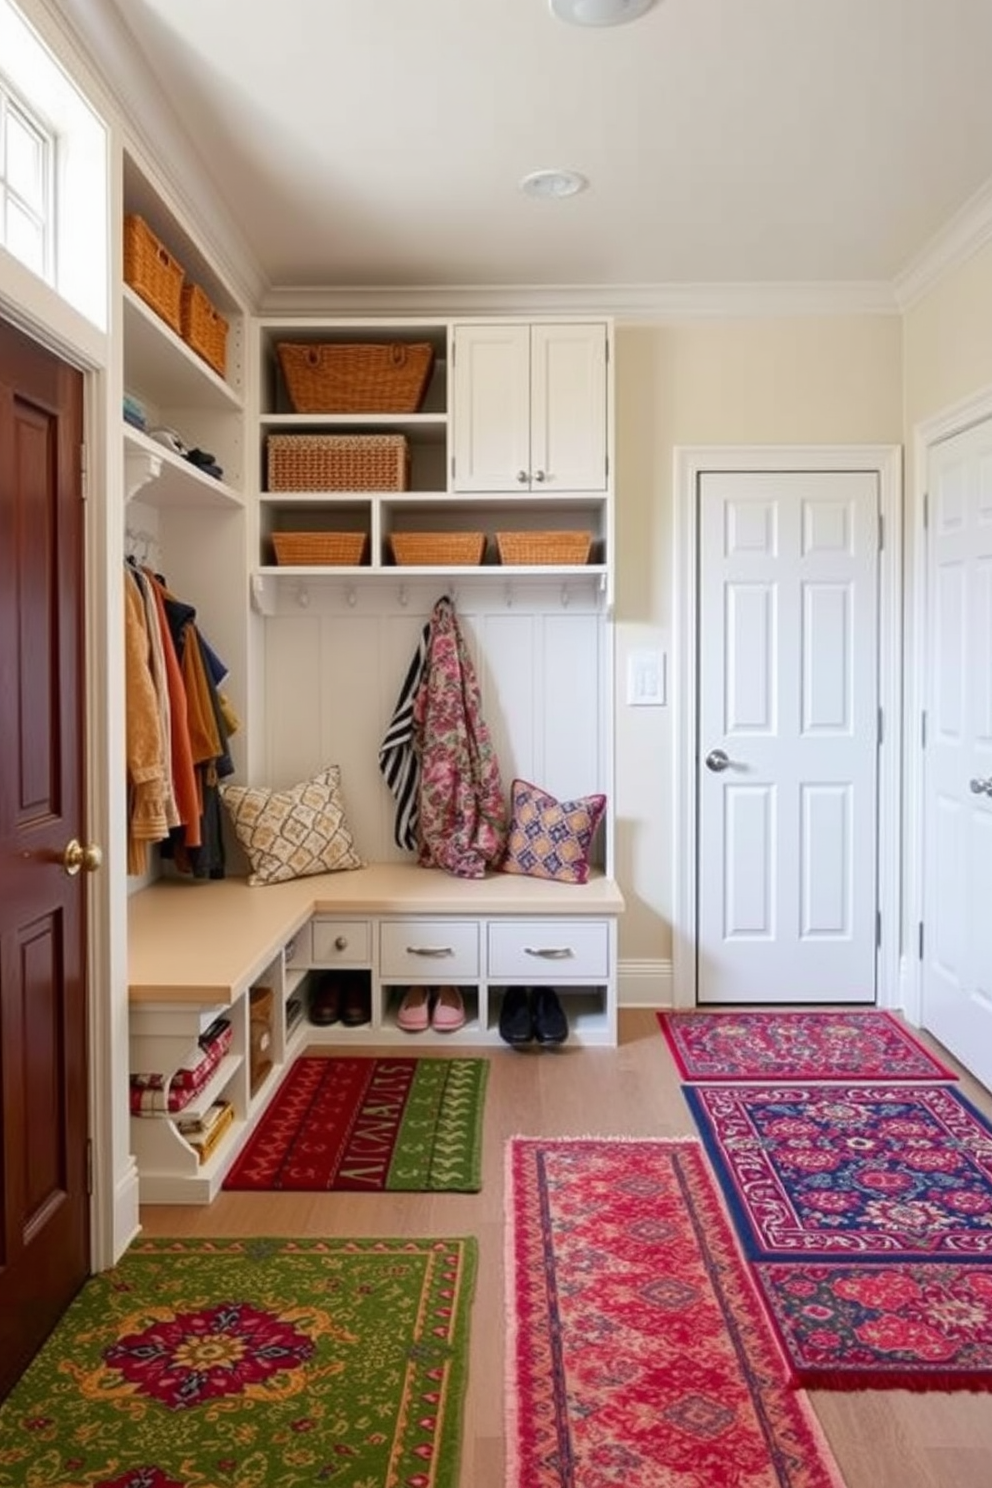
(646, 679)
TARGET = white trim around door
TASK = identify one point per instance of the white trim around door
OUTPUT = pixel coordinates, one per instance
(690, 463)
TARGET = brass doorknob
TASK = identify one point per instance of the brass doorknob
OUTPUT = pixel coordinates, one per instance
(77, 855)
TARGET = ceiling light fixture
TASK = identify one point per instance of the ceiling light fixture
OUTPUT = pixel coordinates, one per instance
(599, 12)
(553, 183)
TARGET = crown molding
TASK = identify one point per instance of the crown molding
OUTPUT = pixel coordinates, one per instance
(633, 303)
(960, 238)
(150, 128)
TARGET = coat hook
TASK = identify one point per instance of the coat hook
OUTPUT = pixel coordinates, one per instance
(404, 596)
(351, 596)
(565, 597)
(303, 596)
(509, 596)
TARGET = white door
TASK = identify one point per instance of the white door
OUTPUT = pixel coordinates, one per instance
(957, 797)
(787, 774)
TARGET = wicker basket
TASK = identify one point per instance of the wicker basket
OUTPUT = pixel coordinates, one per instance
(203, 328)
(356, 378)
(438, 549)
(319, 549)
(152, 272)
(338, 462)
(544, 547)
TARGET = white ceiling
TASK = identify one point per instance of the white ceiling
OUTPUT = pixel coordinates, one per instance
(381, 142)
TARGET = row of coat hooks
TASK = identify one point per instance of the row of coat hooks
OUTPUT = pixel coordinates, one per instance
(450, 592)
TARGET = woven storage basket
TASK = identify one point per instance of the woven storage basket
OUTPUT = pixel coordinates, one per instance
(315, 549)
(464, 549)
(356, 378)
(152, 272)
(543, 547)
(203, 328)
(338, 462)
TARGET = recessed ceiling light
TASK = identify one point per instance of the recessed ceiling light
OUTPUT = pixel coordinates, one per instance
(599, 12)
(553, 183)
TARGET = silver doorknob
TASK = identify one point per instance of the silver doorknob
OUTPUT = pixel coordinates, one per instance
(522, 477)
(981, 787)
(79, 855)
(539, 475)
(717, 760)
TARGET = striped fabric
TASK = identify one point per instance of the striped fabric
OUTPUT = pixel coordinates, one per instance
(399, 763)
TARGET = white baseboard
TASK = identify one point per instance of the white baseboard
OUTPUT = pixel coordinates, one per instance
(645, 984)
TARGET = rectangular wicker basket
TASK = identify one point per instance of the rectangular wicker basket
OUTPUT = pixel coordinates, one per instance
(320, 549)
(544, 547)
(203, 328)
(152, 272)
(338, 462)
(438, 549)
(356, 378)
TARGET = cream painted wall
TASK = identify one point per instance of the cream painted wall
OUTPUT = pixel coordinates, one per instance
(831, 380)
(948, 343)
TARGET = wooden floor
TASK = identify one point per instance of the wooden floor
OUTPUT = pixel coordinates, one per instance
(882, 1439)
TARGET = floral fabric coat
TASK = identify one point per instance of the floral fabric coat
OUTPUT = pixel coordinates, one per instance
(462, 818)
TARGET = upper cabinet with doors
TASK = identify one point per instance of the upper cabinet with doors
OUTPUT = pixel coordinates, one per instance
(530, 407)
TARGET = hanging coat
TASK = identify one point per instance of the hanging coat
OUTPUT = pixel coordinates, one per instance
(462, 818)
(399, 762)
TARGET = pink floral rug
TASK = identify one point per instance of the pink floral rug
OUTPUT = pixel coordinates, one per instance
(820, 1045)
(911, 1325)
(637, 1351)
(876, 1172)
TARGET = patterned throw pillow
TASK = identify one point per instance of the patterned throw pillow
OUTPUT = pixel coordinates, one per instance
(293, 833)
(549, 838)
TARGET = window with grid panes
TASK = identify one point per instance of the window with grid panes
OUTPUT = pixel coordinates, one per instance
(27, 152)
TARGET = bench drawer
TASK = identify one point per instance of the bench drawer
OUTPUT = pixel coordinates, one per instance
(430, 951)
(342, 942)
(549, 950)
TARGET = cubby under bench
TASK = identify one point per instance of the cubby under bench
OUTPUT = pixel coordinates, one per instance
(198, 949)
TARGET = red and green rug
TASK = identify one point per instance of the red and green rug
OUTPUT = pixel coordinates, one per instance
(856, 1172)
(224, 1363)
(637, 1349)
(368, 1125)
(814, 1045)
(912, 1325)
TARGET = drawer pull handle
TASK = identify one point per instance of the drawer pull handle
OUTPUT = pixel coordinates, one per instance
(430, 951)
(341, 943)
(549, 953)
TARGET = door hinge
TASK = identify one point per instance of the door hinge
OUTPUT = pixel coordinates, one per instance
(923, 729)
(83, 474)
(881, 532)
(920, 940)
(881, 727)
(926, 510)
(607, 463)
(452, 467)
(89, 1166)
(878, 929)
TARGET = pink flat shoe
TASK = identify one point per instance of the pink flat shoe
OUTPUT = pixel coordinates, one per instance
(414, 1013)
(449, 1010)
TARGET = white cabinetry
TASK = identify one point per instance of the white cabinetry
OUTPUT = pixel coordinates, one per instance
(530, 407)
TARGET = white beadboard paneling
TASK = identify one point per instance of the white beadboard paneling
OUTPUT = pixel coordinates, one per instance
(335, 664)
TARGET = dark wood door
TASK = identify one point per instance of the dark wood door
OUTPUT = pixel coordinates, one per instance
(44, 1206)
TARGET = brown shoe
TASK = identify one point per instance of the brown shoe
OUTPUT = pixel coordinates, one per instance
(356, 1004)
(325, 1000)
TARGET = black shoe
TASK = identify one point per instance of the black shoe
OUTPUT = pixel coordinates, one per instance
(516, 1025)
(550, 1023)
(325, 1000)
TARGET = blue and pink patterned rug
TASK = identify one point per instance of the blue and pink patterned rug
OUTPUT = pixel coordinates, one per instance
(838, 1044)
(855, 1172)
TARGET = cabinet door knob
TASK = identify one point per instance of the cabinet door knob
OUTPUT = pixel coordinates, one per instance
(341, 943)
(522, 477)
(539, 475)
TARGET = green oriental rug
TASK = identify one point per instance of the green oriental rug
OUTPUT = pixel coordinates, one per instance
(252, 1364)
